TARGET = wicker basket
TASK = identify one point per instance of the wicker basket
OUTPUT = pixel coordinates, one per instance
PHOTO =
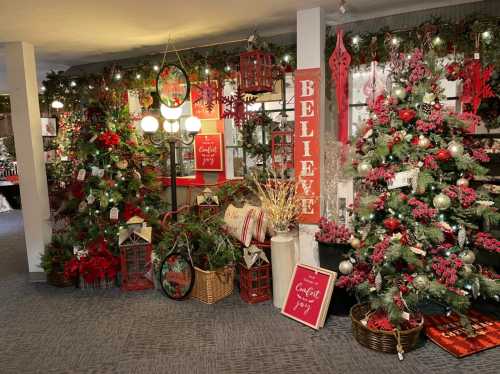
(382, 341)
(57, 279)
(212, 286)
(97, 284)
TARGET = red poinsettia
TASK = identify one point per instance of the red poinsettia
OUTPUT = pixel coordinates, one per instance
(406, 114)
(130, 211)
(109, 138)
(77, 190)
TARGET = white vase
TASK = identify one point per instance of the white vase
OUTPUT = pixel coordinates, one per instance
(283, 262)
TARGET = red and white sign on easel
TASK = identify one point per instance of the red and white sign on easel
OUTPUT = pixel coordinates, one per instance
(307, 141)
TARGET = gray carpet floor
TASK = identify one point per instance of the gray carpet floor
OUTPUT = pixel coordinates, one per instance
(49, 330)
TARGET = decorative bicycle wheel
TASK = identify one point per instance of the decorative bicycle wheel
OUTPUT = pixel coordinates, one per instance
(172, 85)
(176, 276)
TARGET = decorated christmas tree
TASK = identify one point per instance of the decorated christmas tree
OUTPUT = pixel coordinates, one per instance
(114, 180)
(417, 218)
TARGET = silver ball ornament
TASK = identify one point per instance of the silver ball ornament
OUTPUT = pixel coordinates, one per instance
(456, 149)
(441, 201)
(421, 282)
(364, 168)
(468, 257)
(463, 182)
(345, 267)
(423, 141)
(355, 243)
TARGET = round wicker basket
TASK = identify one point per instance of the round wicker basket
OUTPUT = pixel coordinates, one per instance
(382, 341)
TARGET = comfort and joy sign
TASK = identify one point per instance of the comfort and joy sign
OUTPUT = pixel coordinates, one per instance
(307, 143)
(208, 152)
(309, 295)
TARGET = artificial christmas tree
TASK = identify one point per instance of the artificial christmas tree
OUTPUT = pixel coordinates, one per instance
(416, 220)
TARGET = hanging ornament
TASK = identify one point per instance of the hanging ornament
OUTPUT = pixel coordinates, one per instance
(364, 168)
(428, 98)
(421, 282)
(392, 223)
(122, 164)
(441, 201)
(398, 91)
(437, 106)
(462, 236)
(452, 71)
(345, 267)
(456, 149)
(339, 63)
(136, 175)
(423, 141)
(82, 206)
(406, 114)
(378, 281)
(374, 86)
(355, 243)
(463, 182)
(90, 199)
(425, 109)
(468, 257)
(114, 214)
(443, 155)
(236, 107)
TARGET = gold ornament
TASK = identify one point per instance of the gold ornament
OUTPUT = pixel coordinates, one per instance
(456, 149)
(441, 201)
(399, 91)
(364, 168)
(355, 243)
(423, 141)
(421, 282)
(122, 164)
(345, 267)
(463, 182)
(467, 270)
(468, 257)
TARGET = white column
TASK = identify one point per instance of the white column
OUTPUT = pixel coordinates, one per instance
(311, 30)
(23, 89)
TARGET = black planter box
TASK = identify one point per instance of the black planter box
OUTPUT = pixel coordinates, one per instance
(330, 256)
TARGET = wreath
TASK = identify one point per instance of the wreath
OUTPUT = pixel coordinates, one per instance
(250, 143)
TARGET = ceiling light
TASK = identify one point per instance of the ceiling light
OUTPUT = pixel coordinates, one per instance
(356, 39)
(156, 68)
(137, 76)
(395, 41)
(286, 58)
(118, 76)
(43, 88)
(91, 87)
(72, 84)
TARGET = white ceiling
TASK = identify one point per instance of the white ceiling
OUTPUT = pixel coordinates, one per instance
(68, 32)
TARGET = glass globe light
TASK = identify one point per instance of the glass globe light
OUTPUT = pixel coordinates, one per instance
(56, 104)
(171, 126)
(149, 124)
(193, 125)
(171, 114)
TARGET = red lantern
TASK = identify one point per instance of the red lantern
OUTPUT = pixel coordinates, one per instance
(407, 114)
(443, 155)
(392, 224)
(256, 72)
(282, 149)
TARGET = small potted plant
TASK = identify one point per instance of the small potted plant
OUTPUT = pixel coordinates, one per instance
(333, 243)
(56, 254)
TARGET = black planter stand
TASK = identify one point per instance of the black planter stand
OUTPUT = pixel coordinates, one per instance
(330, 256)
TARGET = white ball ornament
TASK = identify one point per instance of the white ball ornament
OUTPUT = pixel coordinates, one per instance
(463, 182)
(423, 141)
(421, 282)
(468, 257)
(399, 92)
(456, 149)
(345, 267)
(441, 201)
(364, 168)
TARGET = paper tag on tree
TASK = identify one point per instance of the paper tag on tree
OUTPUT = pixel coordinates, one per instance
(476, 55)
(81, 175)
(92, 139)
(94, 171)
(113, 214)
(404, 178)
(405, 315)
(100, 173)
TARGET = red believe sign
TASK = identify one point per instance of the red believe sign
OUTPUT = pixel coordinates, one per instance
(307, 141)
(208, 152)
(309, 295)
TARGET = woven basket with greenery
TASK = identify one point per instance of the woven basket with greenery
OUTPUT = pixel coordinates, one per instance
(212, 286)
(396, 341)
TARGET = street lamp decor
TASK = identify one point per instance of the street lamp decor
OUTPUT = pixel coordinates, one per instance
(169, 136)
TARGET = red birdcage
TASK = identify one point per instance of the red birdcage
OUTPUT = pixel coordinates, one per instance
(256, 72)
(282, 149)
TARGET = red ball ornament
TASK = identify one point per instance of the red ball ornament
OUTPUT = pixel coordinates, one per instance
(437, 106)
(443, 155)
(407, 114)
(392, 224)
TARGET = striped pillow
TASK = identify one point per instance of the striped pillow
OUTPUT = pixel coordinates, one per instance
(239, 224)
(261, 224)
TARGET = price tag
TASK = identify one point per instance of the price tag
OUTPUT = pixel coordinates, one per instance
(81, 175)
(405, 316)
(95, 170)
(404, 178)
(476, 55)
(100, 173)
(92, 139)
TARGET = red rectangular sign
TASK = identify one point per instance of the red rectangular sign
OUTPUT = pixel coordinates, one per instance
(209, 152)
(309, 295)
(307, 141)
